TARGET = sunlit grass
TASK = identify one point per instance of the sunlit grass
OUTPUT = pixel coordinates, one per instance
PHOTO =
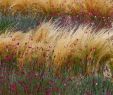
(89, 8)
(83, 51)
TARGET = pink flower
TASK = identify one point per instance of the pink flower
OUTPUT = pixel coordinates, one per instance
(108, 93)
(90, 14)
(17, 43)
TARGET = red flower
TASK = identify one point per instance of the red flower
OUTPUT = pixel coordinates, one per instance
(8, 58)
(48, 92)
(13, 87)
(26, 89)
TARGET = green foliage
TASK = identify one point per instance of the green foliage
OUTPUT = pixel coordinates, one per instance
(92, 85)
(5, 24)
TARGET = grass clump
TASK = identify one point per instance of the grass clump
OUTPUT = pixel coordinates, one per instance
(83, 51)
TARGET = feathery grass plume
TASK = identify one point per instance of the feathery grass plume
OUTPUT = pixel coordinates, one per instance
(100, 8)
(51, 7)
(100, 11)
(86, 9)
(32, 48)
(4, 6)
(83, 51)
(76, 7)
(20, 6)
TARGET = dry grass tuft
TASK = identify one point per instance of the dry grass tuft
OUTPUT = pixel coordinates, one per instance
(84, 48)
(99, 8)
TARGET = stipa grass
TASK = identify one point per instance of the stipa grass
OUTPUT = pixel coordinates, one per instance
(80, 9)
(83, 51)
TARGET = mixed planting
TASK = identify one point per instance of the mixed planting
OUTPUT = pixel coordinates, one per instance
(50, 47)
